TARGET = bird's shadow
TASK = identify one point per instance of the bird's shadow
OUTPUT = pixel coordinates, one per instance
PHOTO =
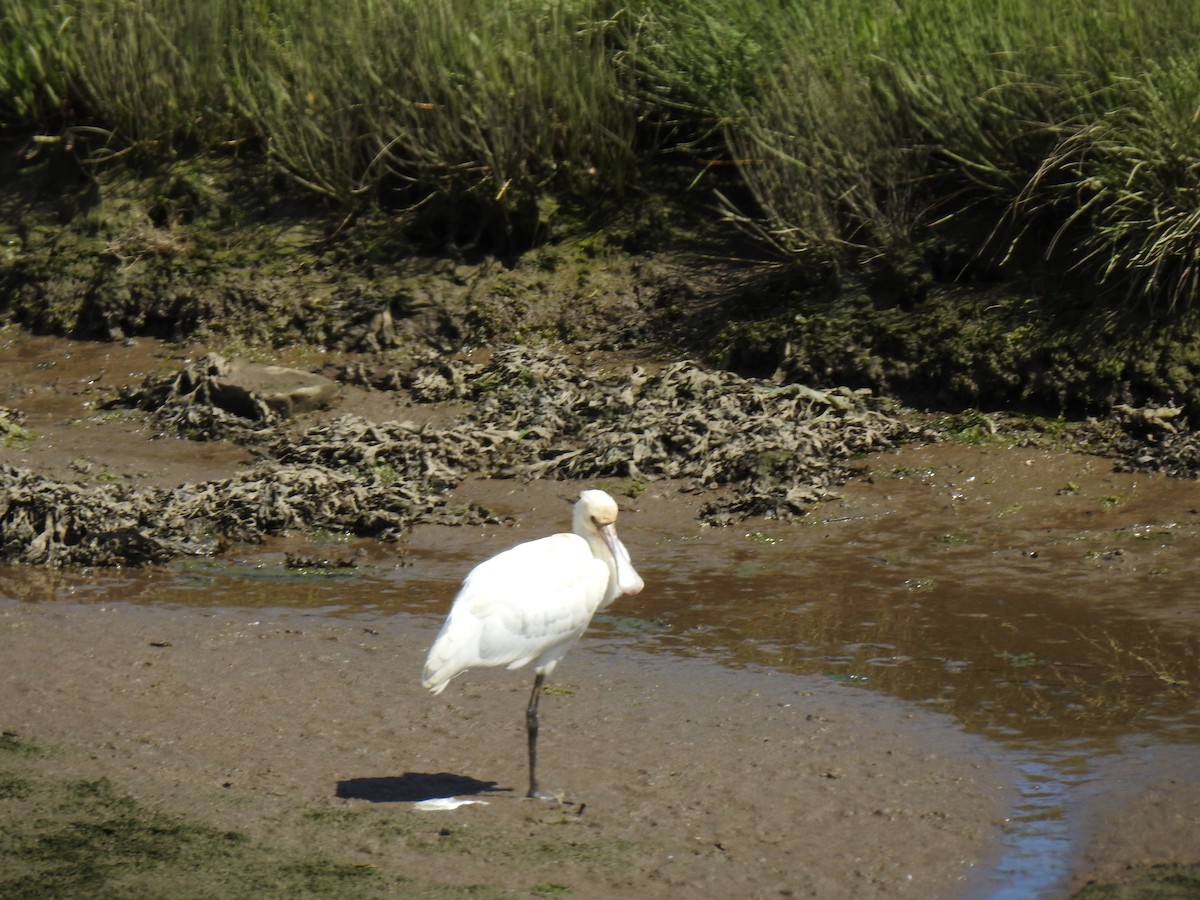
(412, 787)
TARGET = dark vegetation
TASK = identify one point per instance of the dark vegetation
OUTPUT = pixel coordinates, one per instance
(958, 203)
(762, 450)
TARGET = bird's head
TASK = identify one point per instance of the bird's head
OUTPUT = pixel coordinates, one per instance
(596, 516)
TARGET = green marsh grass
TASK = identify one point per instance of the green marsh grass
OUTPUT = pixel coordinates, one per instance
(869, 129)
(845, 131)
(442, 98)
(1126, 187)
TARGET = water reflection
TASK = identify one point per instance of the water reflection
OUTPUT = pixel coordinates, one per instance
(1015, 663)
(1017, 615)
(1038, 842)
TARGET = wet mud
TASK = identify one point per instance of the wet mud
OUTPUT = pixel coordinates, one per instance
(948, 670)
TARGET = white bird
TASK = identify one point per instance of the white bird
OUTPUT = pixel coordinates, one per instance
(531, 603)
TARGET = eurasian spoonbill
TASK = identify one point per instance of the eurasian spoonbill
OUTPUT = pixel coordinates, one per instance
(531, 603)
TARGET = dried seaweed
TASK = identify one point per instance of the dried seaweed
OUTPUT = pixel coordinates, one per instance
(531, 414)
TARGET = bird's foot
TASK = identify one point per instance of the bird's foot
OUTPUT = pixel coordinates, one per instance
(538, 794)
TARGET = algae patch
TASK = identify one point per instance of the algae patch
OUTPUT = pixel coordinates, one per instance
(85, 838)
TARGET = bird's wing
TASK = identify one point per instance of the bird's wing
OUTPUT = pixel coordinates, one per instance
(519, 606)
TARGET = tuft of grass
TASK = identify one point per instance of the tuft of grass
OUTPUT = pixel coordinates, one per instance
(971, 427)
(14, 787)
(386, 474)
(761, 537)
(949, 539)
(1122, 188)
(12, 433)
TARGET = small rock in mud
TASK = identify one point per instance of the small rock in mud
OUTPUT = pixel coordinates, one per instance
(252, 391)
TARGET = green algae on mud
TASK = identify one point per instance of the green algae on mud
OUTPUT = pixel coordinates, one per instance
(1161, 882)
(210, 251)
(62, 837)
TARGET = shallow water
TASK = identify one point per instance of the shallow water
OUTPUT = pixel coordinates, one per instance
(1038, 598)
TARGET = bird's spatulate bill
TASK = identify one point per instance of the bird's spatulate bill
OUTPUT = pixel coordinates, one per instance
(628, 580)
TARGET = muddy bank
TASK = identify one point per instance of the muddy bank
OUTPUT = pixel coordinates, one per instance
(87, 431)
(751, 447)
(306, 752)
(206, 252)
(729, 731)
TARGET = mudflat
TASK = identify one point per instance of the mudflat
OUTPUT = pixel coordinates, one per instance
(310, 737)
(168, 733)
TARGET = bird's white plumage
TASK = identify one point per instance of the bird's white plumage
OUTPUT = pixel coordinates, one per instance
(512, 611)
(531, 603)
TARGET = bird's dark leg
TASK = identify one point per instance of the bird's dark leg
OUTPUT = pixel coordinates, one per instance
(531, 725)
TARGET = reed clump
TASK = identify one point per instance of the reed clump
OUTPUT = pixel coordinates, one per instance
(850, 132)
